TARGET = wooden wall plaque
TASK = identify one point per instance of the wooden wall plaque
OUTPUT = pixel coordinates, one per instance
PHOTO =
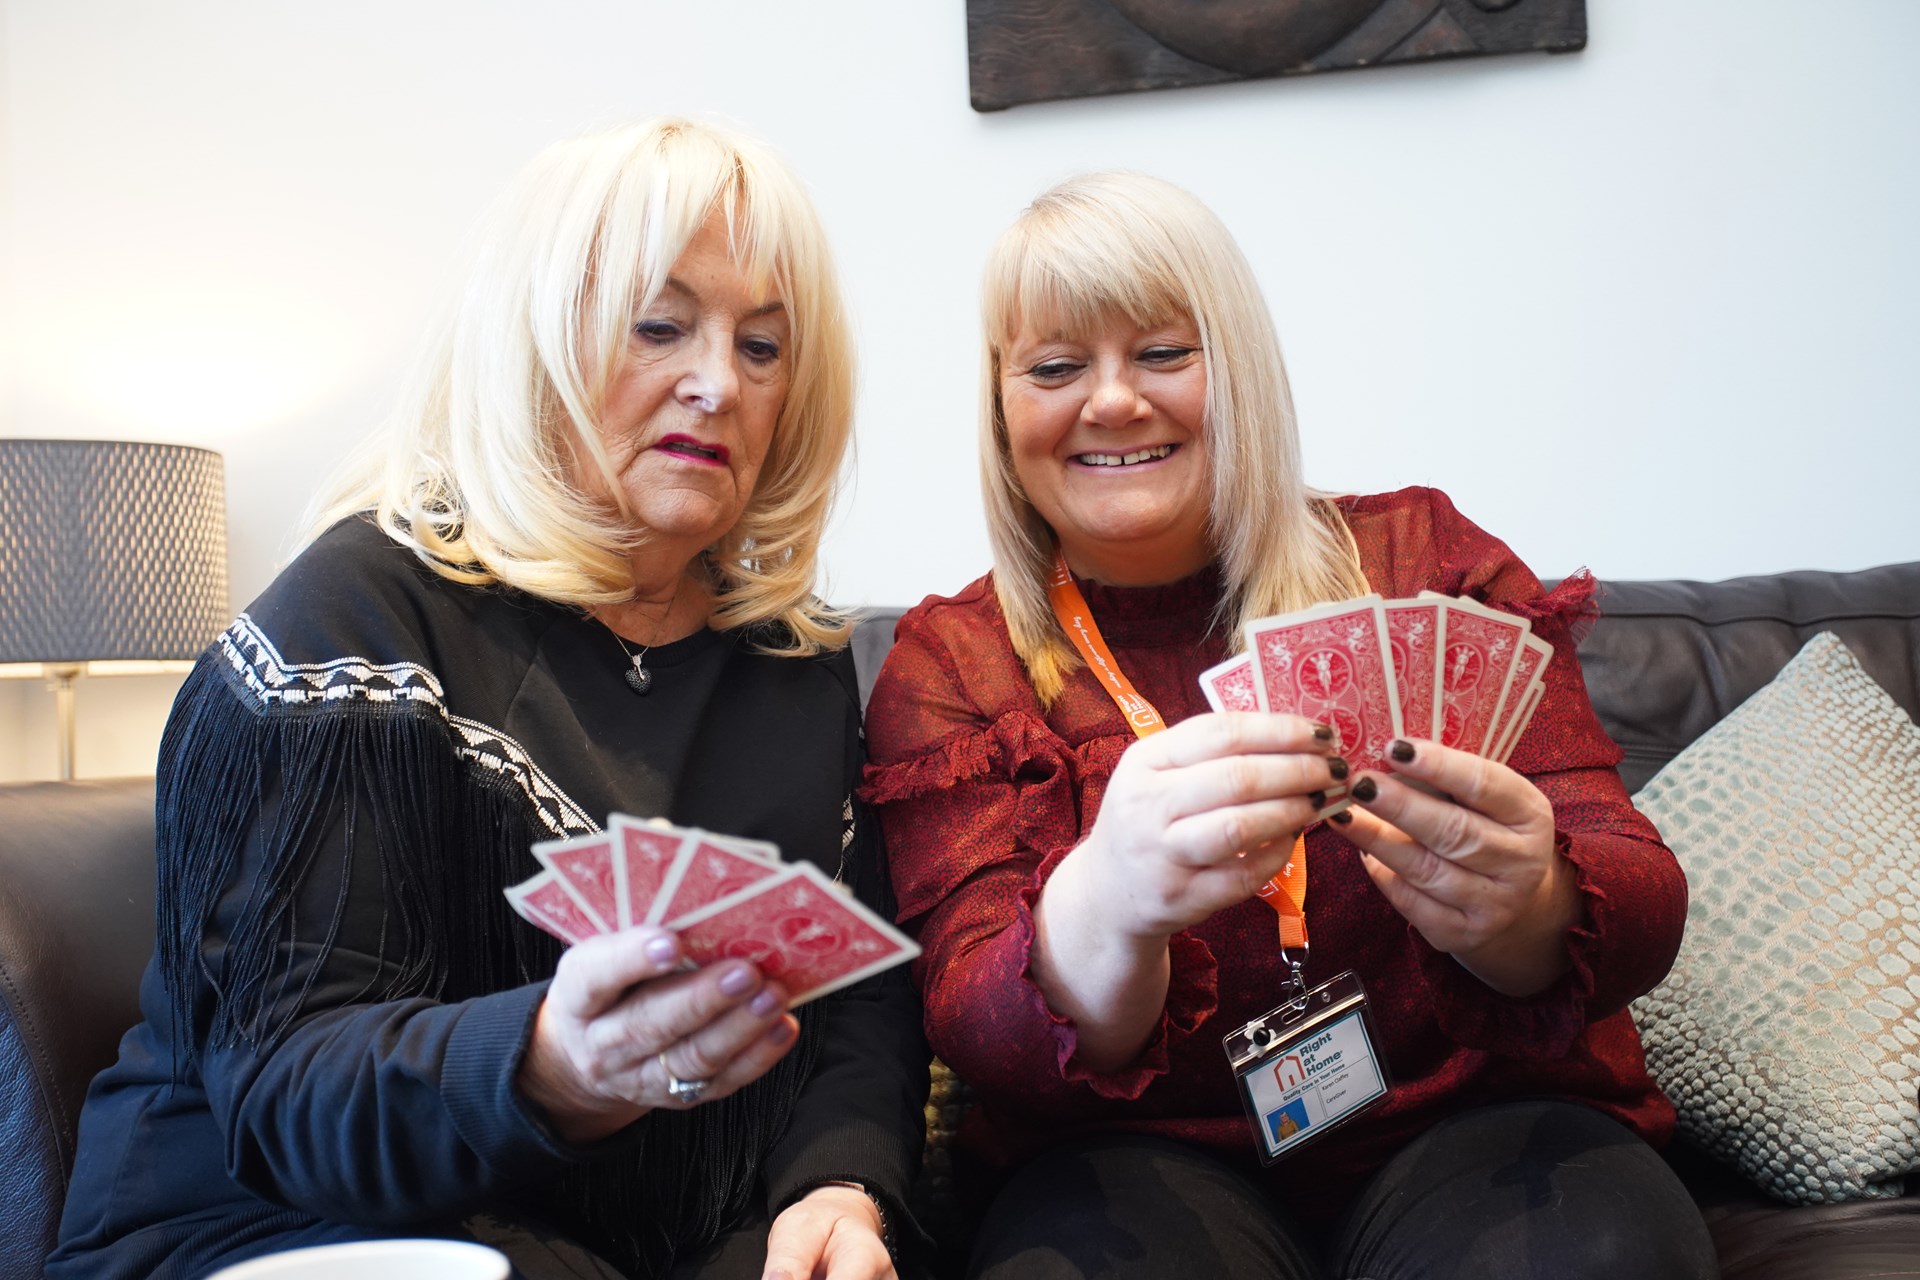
(1034, 50)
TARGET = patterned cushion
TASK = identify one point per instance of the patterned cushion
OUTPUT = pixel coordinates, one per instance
(1788, 1032)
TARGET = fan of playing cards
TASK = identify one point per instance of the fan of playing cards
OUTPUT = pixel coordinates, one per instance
(726, 898)
(1450, 670)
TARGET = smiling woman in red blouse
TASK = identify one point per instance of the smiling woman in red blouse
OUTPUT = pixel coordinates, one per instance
(1088, 900)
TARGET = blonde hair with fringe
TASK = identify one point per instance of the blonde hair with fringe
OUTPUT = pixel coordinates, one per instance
(473, 469)
(1108, 245)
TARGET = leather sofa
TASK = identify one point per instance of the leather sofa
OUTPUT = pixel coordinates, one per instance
(76, 928)
(1667, 661)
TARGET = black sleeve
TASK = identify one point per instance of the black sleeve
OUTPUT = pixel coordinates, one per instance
(298, 853)
(861, 1115)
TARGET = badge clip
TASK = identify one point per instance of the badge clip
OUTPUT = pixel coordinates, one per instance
(1308, 1065)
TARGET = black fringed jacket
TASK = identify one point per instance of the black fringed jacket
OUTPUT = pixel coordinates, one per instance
(340, 995)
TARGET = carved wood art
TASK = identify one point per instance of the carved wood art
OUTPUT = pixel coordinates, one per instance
(1033, 50)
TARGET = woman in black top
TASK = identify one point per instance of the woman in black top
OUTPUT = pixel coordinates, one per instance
(617, 458)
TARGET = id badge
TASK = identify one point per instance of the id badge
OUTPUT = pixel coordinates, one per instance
(1308, 1066)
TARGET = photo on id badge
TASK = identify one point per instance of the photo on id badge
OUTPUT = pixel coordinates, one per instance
(1307, 1066)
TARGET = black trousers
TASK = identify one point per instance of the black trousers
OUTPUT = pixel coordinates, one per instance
(1528, 1189)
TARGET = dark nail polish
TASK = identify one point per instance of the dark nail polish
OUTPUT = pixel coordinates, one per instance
(1318, 799)
(1342, 817)
(1400, 749)
(1364, 790)
(1337, 766)
(1323, 733)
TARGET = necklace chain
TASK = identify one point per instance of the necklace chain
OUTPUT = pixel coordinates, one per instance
(638, 678)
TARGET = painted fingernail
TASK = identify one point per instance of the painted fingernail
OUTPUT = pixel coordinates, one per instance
(782, 1031)
(1317, 799)
(1342, 817)
(1400, 749)
(1337, 766)
(765, 1004)
(1323, 733)
(736, 981)
(662, 950)
(1364, 790)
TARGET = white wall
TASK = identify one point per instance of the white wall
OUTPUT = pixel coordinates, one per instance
(1641, 308)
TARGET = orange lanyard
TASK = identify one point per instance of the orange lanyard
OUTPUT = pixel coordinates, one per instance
(1286, 893)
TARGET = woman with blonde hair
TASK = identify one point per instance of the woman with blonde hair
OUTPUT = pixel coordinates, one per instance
(575, 577)
(1103, 904)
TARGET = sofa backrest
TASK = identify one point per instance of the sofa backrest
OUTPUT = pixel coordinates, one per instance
(76, 929)
(871, 640)
(1668, 660)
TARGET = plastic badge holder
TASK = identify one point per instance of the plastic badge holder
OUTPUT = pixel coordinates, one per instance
(1308, 1066)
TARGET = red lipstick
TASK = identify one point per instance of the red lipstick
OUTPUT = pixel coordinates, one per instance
(685, 446)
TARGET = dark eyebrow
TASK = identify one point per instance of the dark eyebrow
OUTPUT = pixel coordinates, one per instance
(674, 282)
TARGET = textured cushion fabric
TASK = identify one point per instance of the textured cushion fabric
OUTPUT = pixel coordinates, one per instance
(1788, 1032)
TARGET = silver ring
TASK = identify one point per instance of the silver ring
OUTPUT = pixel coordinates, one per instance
(682, 1091)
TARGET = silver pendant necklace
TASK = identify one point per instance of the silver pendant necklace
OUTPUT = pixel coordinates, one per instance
(639, 679)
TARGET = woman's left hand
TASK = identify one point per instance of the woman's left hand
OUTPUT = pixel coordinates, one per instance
(1476, 874)
(831, 1233)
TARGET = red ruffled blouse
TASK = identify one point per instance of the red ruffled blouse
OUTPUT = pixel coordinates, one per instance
(981, 792)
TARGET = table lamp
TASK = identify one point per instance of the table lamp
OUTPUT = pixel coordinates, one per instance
(113, 561)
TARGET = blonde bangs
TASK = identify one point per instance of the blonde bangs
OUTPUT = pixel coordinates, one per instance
(1071, 266)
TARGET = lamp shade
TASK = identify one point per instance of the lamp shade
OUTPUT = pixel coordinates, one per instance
(110, 549)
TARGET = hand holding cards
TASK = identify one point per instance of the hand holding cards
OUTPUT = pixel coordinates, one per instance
(725, 897)
(1451, 670)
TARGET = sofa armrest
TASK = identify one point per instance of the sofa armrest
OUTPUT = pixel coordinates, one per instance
(76, 930)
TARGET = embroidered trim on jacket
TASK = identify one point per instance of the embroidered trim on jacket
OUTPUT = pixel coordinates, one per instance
(274, 680)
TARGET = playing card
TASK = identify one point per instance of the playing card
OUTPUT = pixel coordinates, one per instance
(799, 929)
(1527, 668)
(644, 855)
(707, 869)
(1331, 663)
(1415, 643)
(545, 903)
(765, 850)
(585, 865)
(1518, 725)
(1476, 668)
(1228, 686)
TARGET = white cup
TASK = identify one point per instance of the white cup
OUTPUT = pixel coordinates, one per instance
(376, 1260)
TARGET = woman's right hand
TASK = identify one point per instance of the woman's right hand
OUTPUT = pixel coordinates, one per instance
(1199, 817)
(1195, 819)
(621, 1015)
